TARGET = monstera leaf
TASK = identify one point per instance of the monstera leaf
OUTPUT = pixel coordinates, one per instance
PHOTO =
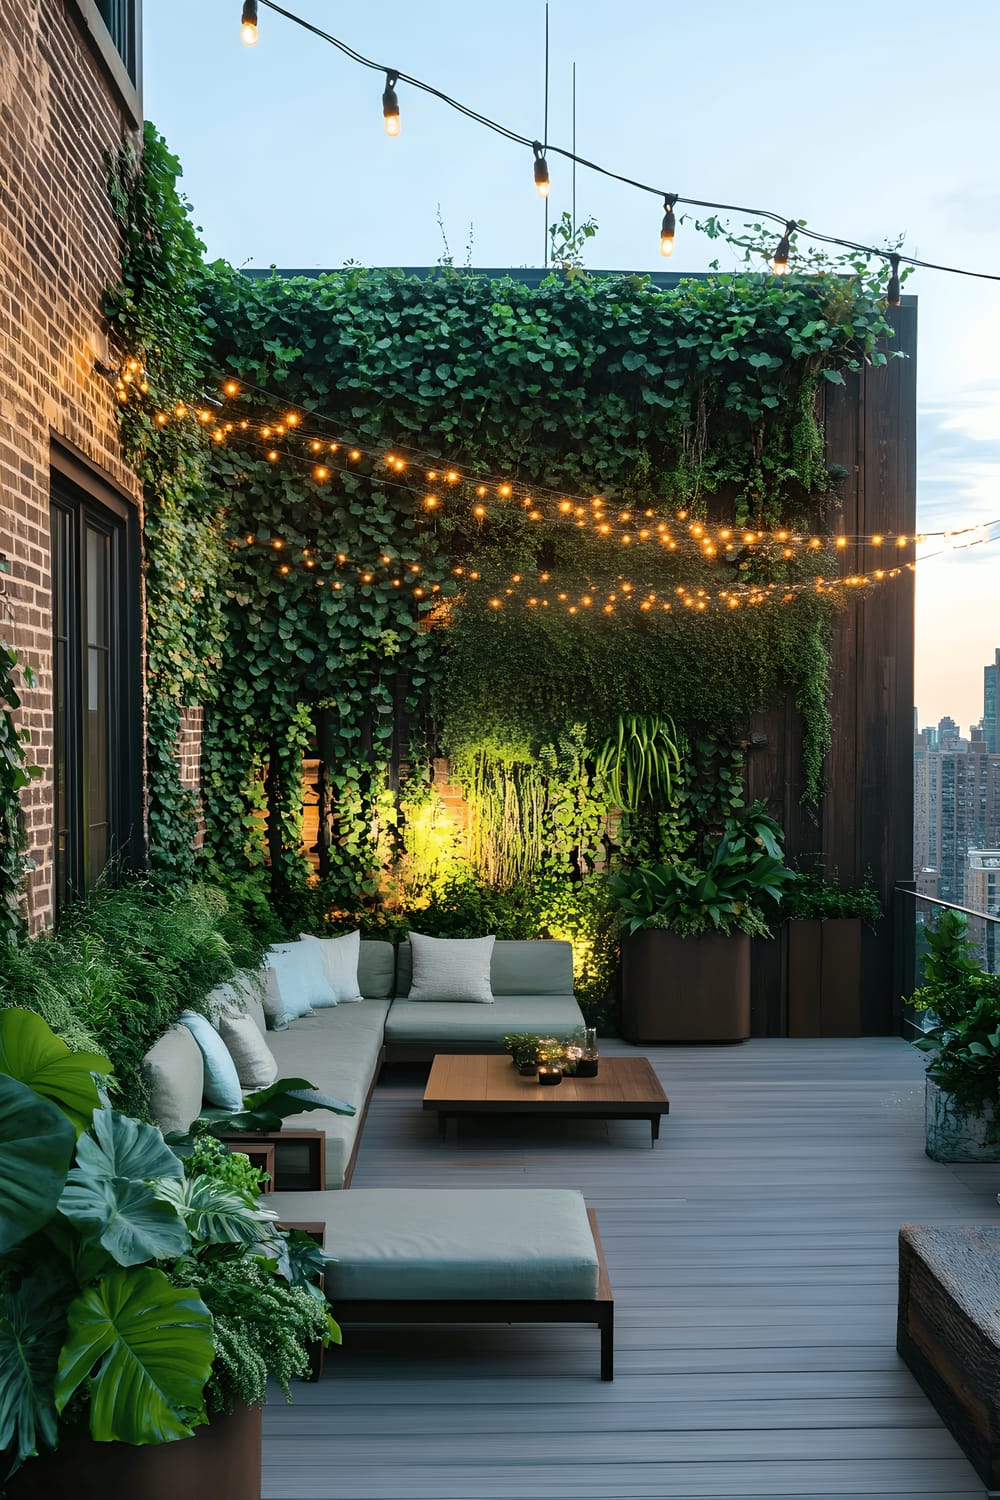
(31, 1052)
(36, 1148)
(108, 1197)
(145, 1348)
(214, 1214)
(126, 1218)
(32, 1322)
(268, 1108)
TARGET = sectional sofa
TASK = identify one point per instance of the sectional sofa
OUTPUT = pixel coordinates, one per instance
(340, 1050)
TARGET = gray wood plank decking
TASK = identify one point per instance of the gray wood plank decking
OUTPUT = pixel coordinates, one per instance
(753, 1259)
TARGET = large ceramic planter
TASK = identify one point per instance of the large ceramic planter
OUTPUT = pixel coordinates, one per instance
(685, 989)
(953, 1135)
(824, 977)
(220, 1462)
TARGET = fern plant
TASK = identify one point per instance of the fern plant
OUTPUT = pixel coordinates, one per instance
(642, 762)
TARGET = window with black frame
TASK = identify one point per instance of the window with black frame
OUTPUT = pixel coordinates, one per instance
(95, 697)
(121, 19)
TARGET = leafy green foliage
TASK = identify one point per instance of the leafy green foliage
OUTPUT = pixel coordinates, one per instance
(104, 1247)
(702, 400)
(36, 1147)
(16, 772)
(268, 1108)
(815, 897)
(739, 883)
(963, 1004)
(30, 1053)
(639, 764)
(117, 972)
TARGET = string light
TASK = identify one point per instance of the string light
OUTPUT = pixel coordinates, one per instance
(390, 104)
(541, 170)
(780, 262)
(248, 23)
(668, 227)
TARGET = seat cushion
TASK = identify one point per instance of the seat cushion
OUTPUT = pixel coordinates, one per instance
(453, 1022)
(466, 1243)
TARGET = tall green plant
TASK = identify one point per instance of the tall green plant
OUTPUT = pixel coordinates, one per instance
(111, 1260)
(16, 772)
(642, 762)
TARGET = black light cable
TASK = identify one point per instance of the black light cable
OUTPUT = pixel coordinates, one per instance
(644, 187)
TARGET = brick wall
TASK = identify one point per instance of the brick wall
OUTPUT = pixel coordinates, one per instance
(189, 760)
(59, 119)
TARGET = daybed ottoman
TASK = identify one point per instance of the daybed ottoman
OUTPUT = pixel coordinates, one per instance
(461, 1255)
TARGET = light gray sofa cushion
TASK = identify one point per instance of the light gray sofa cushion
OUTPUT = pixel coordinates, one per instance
(174, 1074)
(255, 1062)
(451, 1022)
(427, 1243)
(543, 966)
(454, 969)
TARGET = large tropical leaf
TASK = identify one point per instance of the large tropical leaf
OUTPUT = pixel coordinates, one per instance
(126, 1218)
(119, 1146)
(32, 1322)
(31, 1052)
(36, 1148)
(268, 1108)
(147, 1349)
(213, 1213)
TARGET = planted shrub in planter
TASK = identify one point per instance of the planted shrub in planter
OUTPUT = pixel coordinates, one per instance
(140, 1297)
(688, 925)
(963, 1075)
(824, 952)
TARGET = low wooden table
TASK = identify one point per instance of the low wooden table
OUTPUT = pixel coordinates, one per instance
(626, 1088)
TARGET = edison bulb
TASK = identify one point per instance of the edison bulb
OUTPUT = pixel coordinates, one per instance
(248, 33)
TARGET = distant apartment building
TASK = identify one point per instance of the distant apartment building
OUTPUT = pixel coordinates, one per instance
(991, 725)
(956, 803)
(982, 881)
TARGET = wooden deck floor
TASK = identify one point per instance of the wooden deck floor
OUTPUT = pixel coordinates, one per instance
(753, 1258)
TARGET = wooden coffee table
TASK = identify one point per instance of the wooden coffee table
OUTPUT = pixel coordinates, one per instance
(626, 1088)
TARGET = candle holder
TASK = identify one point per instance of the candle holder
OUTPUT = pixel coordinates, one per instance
(549, 1074)
(589, 1059)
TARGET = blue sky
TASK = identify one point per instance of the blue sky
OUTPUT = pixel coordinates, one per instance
(867, 120)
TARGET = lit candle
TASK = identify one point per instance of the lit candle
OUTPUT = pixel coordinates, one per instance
(549, 1073)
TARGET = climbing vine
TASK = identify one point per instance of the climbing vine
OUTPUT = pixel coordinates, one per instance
(16, 772)
(306, 610)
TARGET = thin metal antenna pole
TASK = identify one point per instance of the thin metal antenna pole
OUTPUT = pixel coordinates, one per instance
(574, 148)
(545, 248)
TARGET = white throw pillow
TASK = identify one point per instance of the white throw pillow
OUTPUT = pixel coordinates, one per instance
(296, 984)
(451, 968)
(255, 1062)
(340, 963)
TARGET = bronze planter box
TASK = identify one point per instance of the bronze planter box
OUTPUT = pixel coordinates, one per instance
(824, 977)
(220, 1462)
(685, 989)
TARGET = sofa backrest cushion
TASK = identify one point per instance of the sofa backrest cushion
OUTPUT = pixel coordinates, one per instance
(174, 1075)
(221, 1080)
(451, 968)
(538, 966)
(377, 969)
(339, 956)
(243, 997)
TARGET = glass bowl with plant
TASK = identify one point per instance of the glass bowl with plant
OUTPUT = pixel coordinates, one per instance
(141, 1295)
(523, 1047)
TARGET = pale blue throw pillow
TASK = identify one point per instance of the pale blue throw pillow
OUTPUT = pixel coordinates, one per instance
(222, 1082)
(296, 983)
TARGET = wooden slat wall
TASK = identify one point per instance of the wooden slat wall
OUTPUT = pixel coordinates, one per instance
(866, 820)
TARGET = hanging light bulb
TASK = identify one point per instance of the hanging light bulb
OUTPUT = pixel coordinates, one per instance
(390, 104)
(541, 171)
(668, 227)
(780, 262)
(892, 294)
(248, 25)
